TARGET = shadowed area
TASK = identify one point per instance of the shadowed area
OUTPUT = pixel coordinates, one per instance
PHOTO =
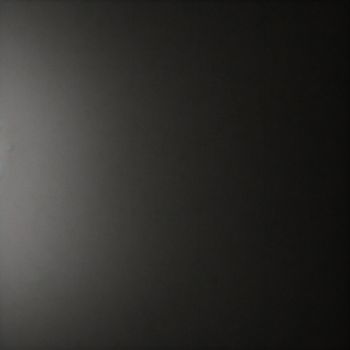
(173, 175)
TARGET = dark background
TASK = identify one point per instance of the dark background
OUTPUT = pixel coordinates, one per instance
(177, 175)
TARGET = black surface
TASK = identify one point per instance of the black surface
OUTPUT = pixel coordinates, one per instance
(190, 179)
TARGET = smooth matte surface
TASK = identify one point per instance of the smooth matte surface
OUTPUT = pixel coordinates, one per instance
(173, 175)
